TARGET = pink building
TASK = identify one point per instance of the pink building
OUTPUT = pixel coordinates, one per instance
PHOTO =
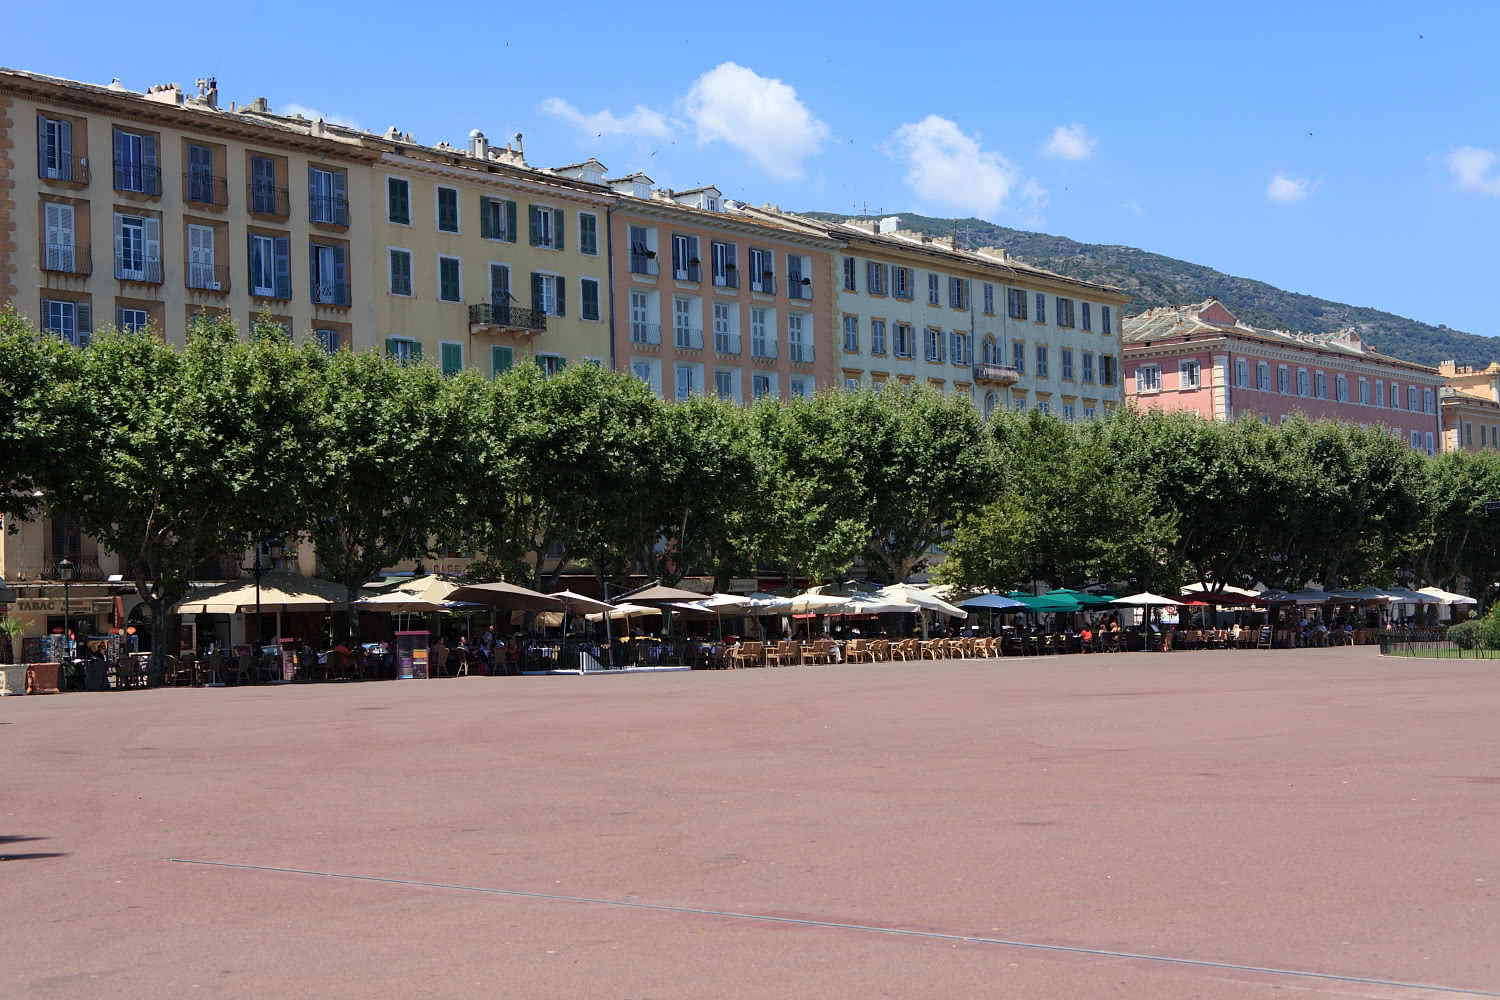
(1201, 358)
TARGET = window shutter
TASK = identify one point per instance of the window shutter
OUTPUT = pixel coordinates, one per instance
(340, 203)
(390, 347)
(501, 358)
(560, 290)
(536, 291)
(557, 229)
(510, 221)
(486, 222)
(153, 248)
(283, 267)
(150, 183)
(535, 218)
(416, 352)
(41, 141)
(590, 309)
(312, 191)
(249, 257)
(83, 323)
(65, 150)
(694, 270)
(119, 242)
(340, 276)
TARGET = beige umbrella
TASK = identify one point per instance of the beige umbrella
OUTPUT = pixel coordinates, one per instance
(506, 595)
(278, 592)
(623, 612)
(922, 599)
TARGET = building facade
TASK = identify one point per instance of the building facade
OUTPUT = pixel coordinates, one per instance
(135, 210)
(715, 301)
(1470, 405)
(1201, 358)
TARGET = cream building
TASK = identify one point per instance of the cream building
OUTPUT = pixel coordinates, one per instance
(1470, 405)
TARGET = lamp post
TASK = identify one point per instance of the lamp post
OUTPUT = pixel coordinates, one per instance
(66, 569)
(259, 569)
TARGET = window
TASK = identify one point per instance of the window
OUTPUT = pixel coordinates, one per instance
(1088, 411)
(1320, 385)
(642, 329)
(546, 227)
(990, 400)
(1018, 357)
(934, 344)
(72, 321)
(1043, 406)
(200, 260)
(1104, 320)
(1241, 373)
(932, 288)
(684, 383)
(588, 289)
(129, 320)
(138, 248)
(1015, 303)
(1428, 437)
(800, 387)
(265, 197)
(959, 352)
(200, 176)
(799, 346)
(1416, 440)
(1188, 375)
(400, 283)
(724, 385)
(1283, 379)
(989, 299)
(642, 257)
(447, 209)
(685, 332)
(1067, 364)
(851, 334)
(725, 272)
(404, 350)
(726, 328)
(1341, 388)
(762, 335)
(329, 277)
(958, 293)
(1304, 385)
(1263, 376)
(1379, 392)
(903, 343)
(798, 282)
(850, 269)
(398, 200)
(54, 148)
(61, 254)
(1064, 312)
(1364, 392)
(1041, 308)
(328, 340)
(270, 266)
(901, 283)
(685, 263)
(1020, 404)
(326, 201)
(762, 271)
(1088, 320)
(135, 163)
(550, 364)
(1395, 395)
(1041, 360)
(877, 336)
(548, 294)
(450, 279)
(1469, 434)
(1411, 398)
(452, 357)
(641, 370)
(760, 386)
(1088, 366)
(1427, 401)
(851, 384)
(1147, 378)
(1067, 411)
(588, 234)
(875, 277)
(1482, 428)
(501, 359)
(497, 219)
(1106, 369)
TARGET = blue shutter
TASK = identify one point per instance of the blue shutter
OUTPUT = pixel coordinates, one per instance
(341, 275)
(283, 267)
(340, 203)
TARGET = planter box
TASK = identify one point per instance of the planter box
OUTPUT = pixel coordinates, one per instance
(12, 678)
(41, 678)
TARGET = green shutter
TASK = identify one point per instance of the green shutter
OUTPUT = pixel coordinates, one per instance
(416, 352)
(588, 234)
(501, 358)
(486, 228)
(535, 216)
(560, 290)
(590, 307)
(510, 221)
(557, 229)
(536, 292)
(562, 363)
(390, 347)
(453, 359)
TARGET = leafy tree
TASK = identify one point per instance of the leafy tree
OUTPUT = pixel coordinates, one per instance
(40, 413)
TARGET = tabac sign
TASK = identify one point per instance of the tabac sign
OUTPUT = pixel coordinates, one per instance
(39, 605)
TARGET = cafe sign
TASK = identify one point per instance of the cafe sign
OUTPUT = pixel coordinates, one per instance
(39, 605)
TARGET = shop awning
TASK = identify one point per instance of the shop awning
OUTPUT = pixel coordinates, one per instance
(278, 592)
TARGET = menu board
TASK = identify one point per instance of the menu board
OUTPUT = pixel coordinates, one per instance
(411, 655)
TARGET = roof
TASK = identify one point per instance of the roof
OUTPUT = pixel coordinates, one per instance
(1211, 318)
(697, 190)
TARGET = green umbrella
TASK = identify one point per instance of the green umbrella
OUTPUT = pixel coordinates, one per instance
(1045, 603)
(1078, 597)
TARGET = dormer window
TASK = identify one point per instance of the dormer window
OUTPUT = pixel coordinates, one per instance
(593, 176)
(711, 203)
(640, 190)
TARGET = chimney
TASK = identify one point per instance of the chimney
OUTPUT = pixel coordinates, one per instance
(259, 106)
(890, 224)
(520, 150)
(479, 146)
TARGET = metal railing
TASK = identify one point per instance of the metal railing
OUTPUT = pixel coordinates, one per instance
(330, 293)
(645, 333)
(132, 176)
(207, 277)
(688, 338)
(268, 200)
(138, 267)
(69, 170)
(989, 371)
(691, 272)
(86, 569)
(201, 188)
(68, 260)
(799, 288)
(328, 209)
(799, 352)
(729, 279)
(644, 263)
(765, 284)
(727, 343)
(762, 348)
(507, 316)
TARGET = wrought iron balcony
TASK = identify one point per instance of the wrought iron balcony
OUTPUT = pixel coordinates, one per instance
(799, 288)
(989, 371)
(800, 353)
(762, 348)
(64, 259)
(270, 201)
(330, 293)
(133, 176)
(645, 333)
(728, 278)
(328, 209)
(764, 283)
(202, 188)
(64, 169)
(207, 277)
(85, 569)
(138, 267)
(644, 262)
(727, 343)
(488, 316)
(687, 338)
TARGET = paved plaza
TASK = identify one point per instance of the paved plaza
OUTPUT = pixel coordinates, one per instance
(1274, 823)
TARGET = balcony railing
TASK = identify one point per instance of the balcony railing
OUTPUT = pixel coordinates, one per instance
(728, 278)
(762, 348)
(85, 569)
(270, 201)
(506, 317)
(727, 343)
(989, 371)
(68, 260)
(330, 293)
(766, 284)
(799, 288)
(644, 263)
(688, 338)
(138, 267)
(202, 188)
(645, 333)
(328, 209)
(132, 176)
(207, 277)
(688, 272)
(67, 169)
(801, 353)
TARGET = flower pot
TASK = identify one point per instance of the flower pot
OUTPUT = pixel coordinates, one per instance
(13, 679)
(41, 678)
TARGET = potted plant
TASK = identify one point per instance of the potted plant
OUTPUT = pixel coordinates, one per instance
(807, 281)
(694, 261)
(10, 631)
(650, 254)
(768, 274)
(729, 267)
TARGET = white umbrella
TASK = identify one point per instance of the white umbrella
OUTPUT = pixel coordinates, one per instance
(1447, 596)
(1201, 587)
(1400, 595)
(1146, 599)
(874, 604)
(1311, 596)
(624, 611)
(813, 603)
(725, 602)
(909, 594)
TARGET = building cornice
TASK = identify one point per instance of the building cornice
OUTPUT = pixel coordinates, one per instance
(983, 267)
(687, 216)
(1374, 365)
(491, 175)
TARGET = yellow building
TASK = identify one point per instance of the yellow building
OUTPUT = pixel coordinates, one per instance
(483, 261)
(1470, 406)
(135, 209)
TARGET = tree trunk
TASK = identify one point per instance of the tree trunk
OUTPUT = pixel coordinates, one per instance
(163, 638)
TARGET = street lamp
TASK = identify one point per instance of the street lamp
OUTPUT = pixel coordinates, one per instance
(65, 570)
(259, 569)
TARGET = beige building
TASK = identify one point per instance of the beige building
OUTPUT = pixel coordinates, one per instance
(1470, 403)
(132, 210)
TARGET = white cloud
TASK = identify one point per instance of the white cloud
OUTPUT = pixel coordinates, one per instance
(1070, 142)
(641, 122)
(1131, 205)
(760, 117)
(947, 165)
(314, 114)
(1284, 188)
(1474, 170)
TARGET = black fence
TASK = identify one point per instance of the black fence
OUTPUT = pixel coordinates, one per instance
(201, 188)
(269, 201)
(513, 317)
(133, 176)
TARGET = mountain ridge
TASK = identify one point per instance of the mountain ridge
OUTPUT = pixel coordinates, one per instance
(1153, 279)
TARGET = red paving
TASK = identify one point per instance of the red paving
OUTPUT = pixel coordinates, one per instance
(1327, 811)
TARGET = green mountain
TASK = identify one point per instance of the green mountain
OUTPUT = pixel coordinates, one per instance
(1154, 280)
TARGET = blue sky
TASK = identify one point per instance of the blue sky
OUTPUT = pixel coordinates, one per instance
(1180, 129)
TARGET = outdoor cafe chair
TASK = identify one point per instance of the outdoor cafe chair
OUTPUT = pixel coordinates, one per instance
(934, 649)
(855, 651)
(239, 668)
